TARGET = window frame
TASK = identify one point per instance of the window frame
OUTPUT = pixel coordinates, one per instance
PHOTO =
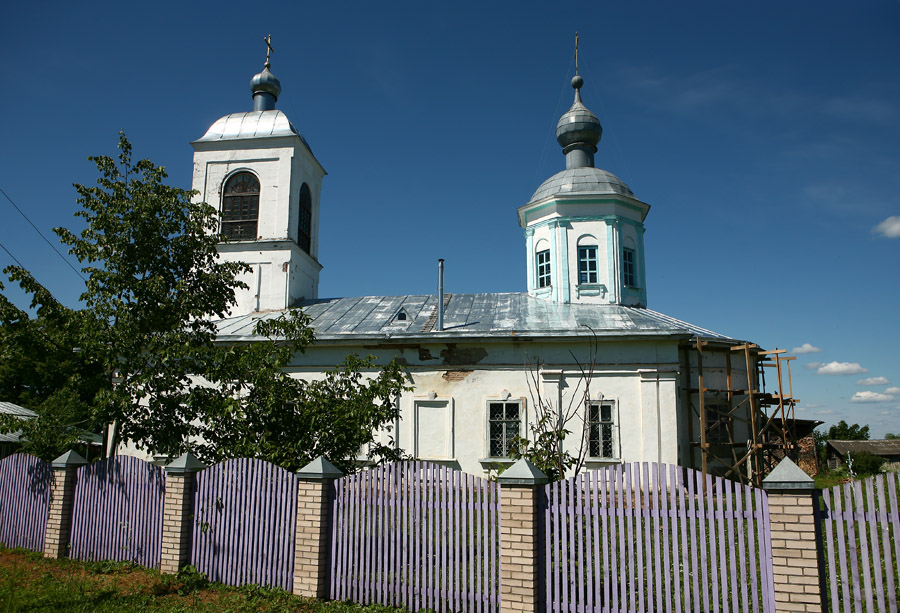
(543, 270)
(599, 422)
(304, 214)
(489, 422)
(584, 263)
(629, 267)
(234, 223)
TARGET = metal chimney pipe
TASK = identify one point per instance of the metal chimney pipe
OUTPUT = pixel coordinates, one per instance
(440, 321)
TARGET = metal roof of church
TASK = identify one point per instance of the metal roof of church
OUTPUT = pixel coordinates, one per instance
(470, 316)
(251, 124)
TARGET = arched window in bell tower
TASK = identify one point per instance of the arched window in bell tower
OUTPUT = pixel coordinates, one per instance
(240, 207)
(304, 229)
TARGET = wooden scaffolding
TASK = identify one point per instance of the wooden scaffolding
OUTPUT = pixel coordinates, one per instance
(744, 430)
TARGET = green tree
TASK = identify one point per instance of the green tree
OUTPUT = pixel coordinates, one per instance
(147, 336)
(891, 436)
(42, 369)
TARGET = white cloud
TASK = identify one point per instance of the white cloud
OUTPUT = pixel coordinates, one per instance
(889, 228)
(826, 412)
(812, 365)
(841, 368)
(873, 381)
(871, 397)
(806, 348)
(892, 390)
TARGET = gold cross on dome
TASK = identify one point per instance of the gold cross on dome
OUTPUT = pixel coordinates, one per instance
(269, 48)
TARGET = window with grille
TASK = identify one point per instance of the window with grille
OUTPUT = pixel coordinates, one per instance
(587, 264)
(240, 207)
(304, 231)
(628, 267)
(601, 430)
(543, 268)
(504, 420)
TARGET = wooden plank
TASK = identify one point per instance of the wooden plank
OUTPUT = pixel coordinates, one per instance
(884, 528)
(865, 559)
(869, 485)
(664, 511)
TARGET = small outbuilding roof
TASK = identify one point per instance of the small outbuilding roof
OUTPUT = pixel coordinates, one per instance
(501, 315)
(9, 408)
(882, 447)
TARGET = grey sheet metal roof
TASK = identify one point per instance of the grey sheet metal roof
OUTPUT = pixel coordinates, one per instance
(470, 316)
(882, 447)
(13, 409)
(252, 124)
(9, 408)
(581, 181)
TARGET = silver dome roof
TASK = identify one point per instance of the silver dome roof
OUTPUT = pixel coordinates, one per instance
(582, 181)
(252, 124)
(266, 82)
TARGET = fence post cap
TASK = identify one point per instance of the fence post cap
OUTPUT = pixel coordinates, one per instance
(184, 465)
(70, 459)
(788, 476)
(320, 469)
(522, 472)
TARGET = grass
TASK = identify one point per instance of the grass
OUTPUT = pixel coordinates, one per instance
(28, 582)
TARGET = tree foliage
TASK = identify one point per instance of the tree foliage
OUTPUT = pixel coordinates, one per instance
(146, 340)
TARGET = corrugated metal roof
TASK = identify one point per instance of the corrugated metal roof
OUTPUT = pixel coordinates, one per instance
(883, 447)
(470, 316)
(14, 409)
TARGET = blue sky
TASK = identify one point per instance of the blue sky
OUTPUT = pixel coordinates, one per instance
(765, 136)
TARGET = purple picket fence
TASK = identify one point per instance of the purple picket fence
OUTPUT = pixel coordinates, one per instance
(245, 514)
(24, 501)
(656, 537)
(417, 535)
(117, 511)
(861, 522)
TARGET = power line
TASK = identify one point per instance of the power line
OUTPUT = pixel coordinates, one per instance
(52, 246)
(11, 255)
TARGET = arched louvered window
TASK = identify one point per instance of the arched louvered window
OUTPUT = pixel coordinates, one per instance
(304, 229)
(240, 207)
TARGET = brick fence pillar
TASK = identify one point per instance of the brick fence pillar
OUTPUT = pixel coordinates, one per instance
(312, 545)
(520, 492)
(797, 560)
(178, 513)
(62, 495)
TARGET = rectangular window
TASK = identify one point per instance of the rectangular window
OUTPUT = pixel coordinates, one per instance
(543, 268)
(628, 267)
(587, 264)
(601, 432)
(718, 423)
(504, 419)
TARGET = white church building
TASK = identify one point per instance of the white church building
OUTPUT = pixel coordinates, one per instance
(585, 295)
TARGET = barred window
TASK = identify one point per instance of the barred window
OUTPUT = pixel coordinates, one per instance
(504, 419)
(240, 207)
(304, 231)
(587, 264)
(543, 268)
(601, 431)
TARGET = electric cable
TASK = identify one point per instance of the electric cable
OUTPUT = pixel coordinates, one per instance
(62, 257)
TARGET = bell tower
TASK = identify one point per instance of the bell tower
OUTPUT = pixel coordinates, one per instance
(262, 176)
(584, 228)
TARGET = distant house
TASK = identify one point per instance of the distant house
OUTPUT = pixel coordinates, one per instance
(10, 442)
(836, 451)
